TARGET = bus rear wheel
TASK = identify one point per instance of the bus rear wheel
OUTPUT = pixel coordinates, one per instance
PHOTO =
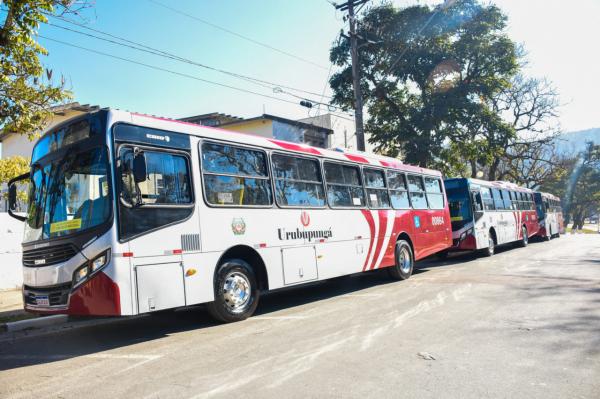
(403, 268)
(236, 292)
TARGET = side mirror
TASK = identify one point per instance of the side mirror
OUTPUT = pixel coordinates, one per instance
(139, 166)
(12, 196)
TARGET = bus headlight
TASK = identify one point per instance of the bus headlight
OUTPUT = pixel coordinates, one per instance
(80, 275)
(90, 268)
(99, 262)
(466, 233)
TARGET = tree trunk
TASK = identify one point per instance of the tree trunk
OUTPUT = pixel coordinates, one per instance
(493, 171)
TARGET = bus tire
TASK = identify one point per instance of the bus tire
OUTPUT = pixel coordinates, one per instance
(405, 261)
(491, 248)
(236, 292)
(525, 240)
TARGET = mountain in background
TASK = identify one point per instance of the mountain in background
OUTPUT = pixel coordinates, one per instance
(573, 142)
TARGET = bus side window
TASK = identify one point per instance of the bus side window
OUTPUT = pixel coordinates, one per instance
(377, 193)
(506, 200)
(488, 202)
(398, 190)
(298, 181)
(166, 194)
(435, 197)
(235, 176)
(498, 203)
(477, 202)
(416, 189)
(344, 188)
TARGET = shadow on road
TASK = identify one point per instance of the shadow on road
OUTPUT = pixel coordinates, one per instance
(125, 332)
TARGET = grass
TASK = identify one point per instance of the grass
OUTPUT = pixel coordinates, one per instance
(9, 317)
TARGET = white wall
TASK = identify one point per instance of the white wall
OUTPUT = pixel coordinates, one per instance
(11, 234)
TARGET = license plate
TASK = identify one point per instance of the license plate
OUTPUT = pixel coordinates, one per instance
(42, 300)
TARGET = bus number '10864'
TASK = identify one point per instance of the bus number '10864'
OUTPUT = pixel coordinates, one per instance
(437, 220)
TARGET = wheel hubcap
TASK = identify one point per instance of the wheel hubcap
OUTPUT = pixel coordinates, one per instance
(404, 260)
(236, 291)
(491, 245)
(525, 238)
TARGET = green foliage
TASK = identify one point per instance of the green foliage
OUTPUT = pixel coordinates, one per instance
(578, 184)
(11, 168)
(26, 88)
(428, 79)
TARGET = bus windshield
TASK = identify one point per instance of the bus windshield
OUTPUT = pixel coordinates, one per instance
(68, 195)
(460, 206)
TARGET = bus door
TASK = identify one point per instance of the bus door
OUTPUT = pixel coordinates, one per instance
(479, 225)
(156, 205)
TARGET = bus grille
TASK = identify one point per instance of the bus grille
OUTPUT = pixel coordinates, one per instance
(49, 255)
(57, 294)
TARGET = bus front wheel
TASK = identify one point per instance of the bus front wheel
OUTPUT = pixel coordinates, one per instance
(525, 240)
(403, 268)
(236, 292)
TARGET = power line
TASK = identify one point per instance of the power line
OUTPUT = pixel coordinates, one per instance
(152, 50)
(170, 71)
(262, 44)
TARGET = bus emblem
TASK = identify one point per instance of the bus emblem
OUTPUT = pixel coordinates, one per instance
(238, 226)
(305, 218)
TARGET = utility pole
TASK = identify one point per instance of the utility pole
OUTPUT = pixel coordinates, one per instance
(358, 103)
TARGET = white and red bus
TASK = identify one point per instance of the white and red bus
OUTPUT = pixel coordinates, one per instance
(550, 216)
(486, 214)
(130, 213)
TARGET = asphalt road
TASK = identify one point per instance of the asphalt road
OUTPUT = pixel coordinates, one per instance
(522, 324)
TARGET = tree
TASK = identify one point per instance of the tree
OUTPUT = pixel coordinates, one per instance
(27, 89)
(11, 168)
(578, 184)
(429, 77)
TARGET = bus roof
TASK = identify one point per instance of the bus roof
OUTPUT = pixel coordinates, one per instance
(194, 129)
(549, 196)
(503, 185)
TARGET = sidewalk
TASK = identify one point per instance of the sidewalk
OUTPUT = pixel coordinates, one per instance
(11, 306)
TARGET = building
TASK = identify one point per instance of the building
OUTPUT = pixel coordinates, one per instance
(344, 131)
(213, 119)
(268, 126)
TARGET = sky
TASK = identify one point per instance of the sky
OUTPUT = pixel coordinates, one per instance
(559, 37)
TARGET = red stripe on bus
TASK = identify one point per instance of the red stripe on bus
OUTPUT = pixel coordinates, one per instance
(295, 147)
(390, 252)
(369, 218)
(177, 251)
(383, 217)
(357, 158)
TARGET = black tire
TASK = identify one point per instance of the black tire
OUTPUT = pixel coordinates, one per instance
(226, 307)
(525, 240)
(491, 248)
(405, 261)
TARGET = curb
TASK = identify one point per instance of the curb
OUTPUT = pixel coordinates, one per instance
(38, 322)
